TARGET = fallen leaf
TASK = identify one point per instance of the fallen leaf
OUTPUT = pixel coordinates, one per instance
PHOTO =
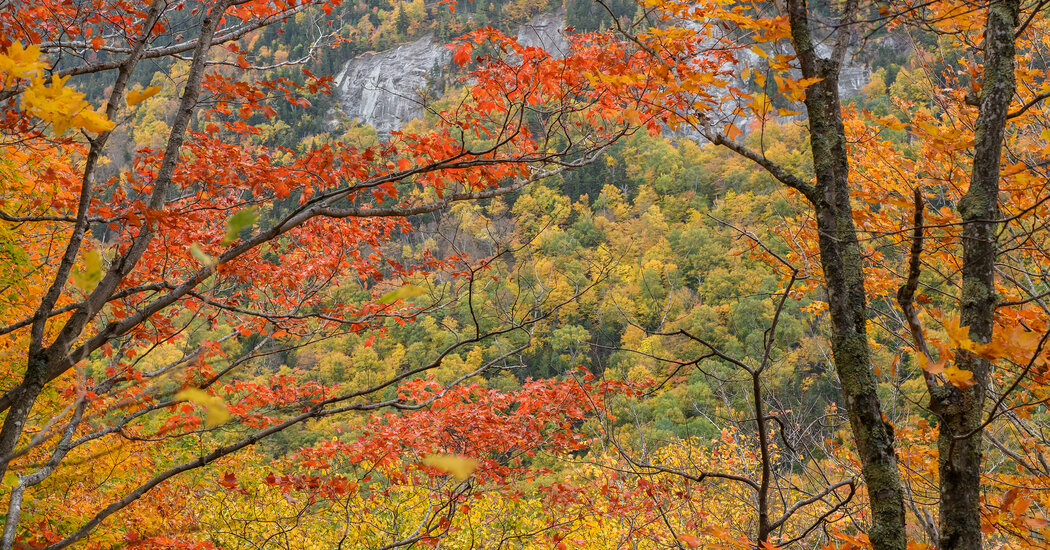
(136, 96)
(959, 378)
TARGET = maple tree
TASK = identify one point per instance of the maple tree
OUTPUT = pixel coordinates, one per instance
(130, 274)
(157, 283)
(975, 254)
(806, 69)
(379, 488)
(993, 345)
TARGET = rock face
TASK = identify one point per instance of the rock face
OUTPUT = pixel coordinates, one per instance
(546, 31)
(386, 89)
(852, 78)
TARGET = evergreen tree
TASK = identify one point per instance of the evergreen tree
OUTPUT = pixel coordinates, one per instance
(402, 20)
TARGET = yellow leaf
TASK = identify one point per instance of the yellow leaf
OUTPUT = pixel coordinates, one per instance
(93, 121)
(403, 293)
(20, 62)
(202, 256)
(214, 406)
(760, 104)
(460, 467)
(92, 272)
(891, 122)
(135, 96)
(62, 106)
(959, 378)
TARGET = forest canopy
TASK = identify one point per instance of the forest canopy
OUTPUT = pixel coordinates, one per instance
(709, 274)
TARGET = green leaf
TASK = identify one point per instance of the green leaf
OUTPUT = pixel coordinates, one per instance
(403, 293)
(202, 256)
(238, 222)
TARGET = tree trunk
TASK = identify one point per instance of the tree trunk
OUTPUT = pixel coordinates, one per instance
(22, 404)
(841, 261)
(961, 410)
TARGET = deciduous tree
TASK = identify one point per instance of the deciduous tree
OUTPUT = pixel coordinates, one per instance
(211, 232)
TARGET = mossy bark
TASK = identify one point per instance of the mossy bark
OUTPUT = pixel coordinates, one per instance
(961, 410)
(847, 302)
(844, 278)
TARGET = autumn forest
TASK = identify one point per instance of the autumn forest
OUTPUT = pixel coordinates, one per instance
(524, 274)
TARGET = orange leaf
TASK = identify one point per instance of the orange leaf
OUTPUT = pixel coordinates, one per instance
(891, 122)
(1036, 523)
(959, 335)
(1022, 340)
(991, 351)
(928, 366)
(731, 131)
(959, 378)
(136, 96)
(632, 116)
(462, 55)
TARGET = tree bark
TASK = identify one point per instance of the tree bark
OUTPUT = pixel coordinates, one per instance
(841, 261)
(961, 410)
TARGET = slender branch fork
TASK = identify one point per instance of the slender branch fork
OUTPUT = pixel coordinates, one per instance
(767, 524)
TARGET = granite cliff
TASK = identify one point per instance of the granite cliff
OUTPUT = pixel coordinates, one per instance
(388, 89)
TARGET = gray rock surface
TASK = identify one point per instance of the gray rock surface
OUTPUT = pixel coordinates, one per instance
(386, 89)
(852, 78)
(547, 31)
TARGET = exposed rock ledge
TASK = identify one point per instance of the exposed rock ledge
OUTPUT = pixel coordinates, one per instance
(386, 89)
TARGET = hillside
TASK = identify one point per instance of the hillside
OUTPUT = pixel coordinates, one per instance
(323, 274)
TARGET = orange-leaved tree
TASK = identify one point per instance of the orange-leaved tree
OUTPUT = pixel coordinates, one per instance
(972, 189)
(950, 187)
(134, 293)
(799, 50)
